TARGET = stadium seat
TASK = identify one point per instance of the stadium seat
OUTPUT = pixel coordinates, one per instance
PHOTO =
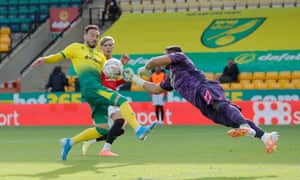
(210, 76)
(283, 82)
(289, 3)
(4, 48)
(284, 75)
(265, 3)
(182, 6)
(205, 5)
(225, 86)
(240, 4)
(229, 4)
(274, 85)
(236, 86)
(248, 86)
(243, 81)
(252, 4)
(295, 75)
(272, 75)
(288, 85)
(159, 7)
(258, 75)
(5, 39)
(245, 76)
(5, 30)
(296, 83)
(277, 3)
(260, 85)
(193, 6)
(137, 8)
(270, 81)
(217, 4)
(126, 8)
(171, 6)
(148, 8)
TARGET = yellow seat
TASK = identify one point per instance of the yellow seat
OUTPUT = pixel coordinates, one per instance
(5, 30)
(260, 85)
(283, 81)
(245, 76)
(274, 85)
(248, 86)
(288, 85)
(295, 81)
(270, 81)
(225, 86)
(296, 84)
(255, 81)
(5, 39)
(259, 75)
(245, 81)
(210, 76)
(236, 86)
(4, 47)
(284, 75)
(272, 75)
(295, 75)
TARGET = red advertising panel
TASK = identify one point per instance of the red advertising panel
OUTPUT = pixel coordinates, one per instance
(177, 113)
(60, 18)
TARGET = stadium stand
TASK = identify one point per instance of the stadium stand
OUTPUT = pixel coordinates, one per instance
(5, 39)
(148, 6)
(262, 80)
(19, 19)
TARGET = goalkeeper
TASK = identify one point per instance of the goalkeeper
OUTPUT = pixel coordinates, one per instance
(88, 62)
(208, 96)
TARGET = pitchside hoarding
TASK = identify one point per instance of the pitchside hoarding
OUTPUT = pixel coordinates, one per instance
(179, 113)
(143, 96)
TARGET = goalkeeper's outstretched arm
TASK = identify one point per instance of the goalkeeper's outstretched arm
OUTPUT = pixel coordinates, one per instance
(152, 88)
(128, 75)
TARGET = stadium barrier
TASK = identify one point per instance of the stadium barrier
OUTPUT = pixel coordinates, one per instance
(261, 112)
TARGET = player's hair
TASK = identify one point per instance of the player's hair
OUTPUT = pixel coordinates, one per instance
(173, 48)
(105, 39)
(89, 27)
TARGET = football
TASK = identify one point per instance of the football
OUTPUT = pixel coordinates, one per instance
(113, 68)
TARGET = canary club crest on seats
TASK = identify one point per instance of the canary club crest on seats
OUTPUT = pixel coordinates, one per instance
(223, 32)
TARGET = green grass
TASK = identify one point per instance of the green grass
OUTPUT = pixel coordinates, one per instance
(169, 153)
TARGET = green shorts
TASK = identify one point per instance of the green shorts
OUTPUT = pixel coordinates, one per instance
(99, 98)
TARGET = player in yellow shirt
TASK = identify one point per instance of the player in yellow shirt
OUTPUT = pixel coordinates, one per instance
(88, 62)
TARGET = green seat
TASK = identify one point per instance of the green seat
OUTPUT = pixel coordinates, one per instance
(34, 1)
(13, 2)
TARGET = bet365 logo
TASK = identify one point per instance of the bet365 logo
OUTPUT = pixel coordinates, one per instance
(223, 32)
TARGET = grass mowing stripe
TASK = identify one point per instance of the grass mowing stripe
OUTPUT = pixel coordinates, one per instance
(170, 152)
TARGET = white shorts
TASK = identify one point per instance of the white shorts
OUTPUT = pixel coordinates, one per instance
(110, 111)
(158, 99)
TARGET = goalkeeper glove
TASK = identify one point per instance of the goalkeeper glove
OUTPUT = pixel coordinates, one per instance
(128, 75)
(142, 71)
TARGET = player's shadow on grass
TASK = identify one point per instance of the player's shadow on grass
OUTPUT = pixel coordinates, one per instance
(233, 178)
(72, 168)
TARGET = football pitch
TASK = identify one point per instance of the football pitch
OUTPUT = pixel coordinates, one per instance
(169, 153)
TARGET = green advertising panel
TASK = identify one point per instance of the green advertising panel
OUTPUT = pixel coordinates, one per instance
(143, 96)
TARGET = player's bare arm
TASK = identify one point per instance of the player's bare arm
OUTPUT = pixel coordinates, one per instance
(39, 61)
(158, 61)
